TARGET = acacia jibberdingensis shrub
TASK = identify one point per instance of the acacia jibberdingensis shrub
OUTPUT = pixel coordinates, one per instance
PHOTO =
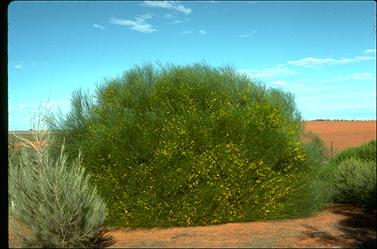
(188, 145)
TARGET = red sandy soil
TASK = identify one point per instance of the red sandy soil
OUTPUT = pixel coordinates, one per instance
(343, 134)
(37, 144)
(338, 226)
(335, 227)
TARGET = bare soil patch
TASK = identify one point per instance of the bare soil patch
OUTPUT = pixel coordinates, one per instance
(32, 144)
(343, 134)
(336, 227)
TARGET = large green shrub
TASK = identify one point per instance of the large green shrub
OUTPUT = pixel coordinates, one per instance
(312, 190)
(53, 199)
(355, 182)
(191, 145)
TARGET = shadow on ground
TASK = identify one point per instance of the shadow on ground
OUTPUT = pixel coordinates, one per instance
(324, 236)
(359, 225)
(358, 228)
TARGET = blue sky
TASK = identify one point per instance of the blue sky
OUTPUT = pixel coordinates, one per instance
(322, 52)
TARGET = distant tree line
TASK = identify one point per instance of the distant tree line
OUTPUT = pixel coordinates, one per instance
(320, 119)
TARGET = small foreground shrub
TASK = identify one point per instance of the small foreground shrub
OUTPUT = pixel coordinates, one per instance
(54, 200)
(355, 183)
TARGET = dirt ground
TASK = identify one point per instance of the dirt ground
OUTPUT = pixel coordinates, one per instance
(343, 134)
(336, 227)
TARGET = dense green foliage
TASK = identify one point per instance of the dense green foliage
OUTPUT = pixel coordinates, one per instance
(365, 152)
(193, 145)
(354, 176)
(54, 200)
(312, 190)
(355, 183)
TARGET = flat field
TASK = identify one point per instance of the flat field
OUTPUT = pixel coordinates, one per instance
(343, 134)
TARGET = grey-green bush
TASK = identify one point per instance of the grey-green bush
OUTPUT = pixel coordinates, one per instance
(191, 145)
(54, 200)
(355, 182)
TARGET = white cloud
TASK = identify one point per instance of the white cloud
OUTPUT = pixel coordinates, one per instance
(143, 17)
(168, 5)
(270, 72)
(124, 22)
(369, 51)
(169, 16)
(173, 19)
(316, 62)
(278, 83)
(186, 32)
(248, 34)
(19, 66)
(97, 26)
(138, 24)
